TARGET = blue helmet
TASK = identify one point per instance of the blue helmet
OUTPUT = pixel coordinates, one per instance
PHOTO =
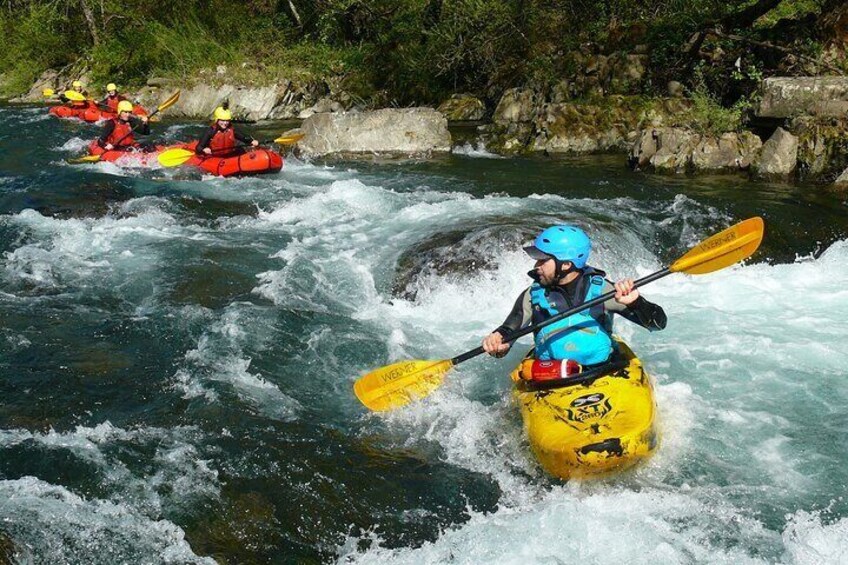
(564, 243)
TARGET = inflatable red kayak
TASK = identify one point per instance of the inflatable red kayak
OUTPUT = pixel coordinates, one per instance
(134, 156)
(89, 112)
(245, 161)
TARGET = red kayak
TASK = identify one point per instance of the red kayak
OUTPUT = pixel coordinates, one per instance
(243, 162)
(89, 111)
(134, 155)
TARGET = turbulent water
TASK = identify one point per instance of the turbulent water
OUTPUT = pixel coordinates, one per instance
(178, 352)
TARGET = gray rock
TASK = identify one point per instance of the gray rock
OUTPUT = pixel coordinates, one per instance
(463, 108)
(561, 92)
(159, 82)
(678, 150)
(517, 105)
(727, 153)
(644, 148)
(785, 97)
(200, 101)
(323, 105)
(674, 149)
(50, 78)
(407, 131)
(779, 155)
(842, 180)
(675, 89)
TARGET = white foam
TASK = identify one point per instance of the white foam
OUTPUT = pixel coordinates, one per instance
(67, 528)
(74, 145)
(176, 461)
(809, 541)
(477, 150)
(219, 359)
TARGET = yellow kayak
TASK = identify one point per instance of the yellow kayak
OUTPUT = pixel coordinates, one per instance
(595, 425)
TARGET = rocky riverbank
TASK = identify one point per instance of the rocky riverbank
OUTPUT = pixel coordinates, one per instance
(799, 127)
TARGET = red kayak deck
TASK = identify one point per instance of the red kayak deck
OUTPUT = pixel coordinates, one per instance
(89, 112)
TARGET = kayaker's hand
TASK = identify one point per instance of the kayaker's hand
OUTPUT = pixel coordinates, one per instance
(255, 143)
(144, 119)
(207, 150)
(108, 147)
(493, 345)
(625, 293)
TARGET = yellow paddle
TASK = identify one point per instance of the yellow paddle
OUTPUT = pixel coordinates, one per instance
(176, 157)
(163, 106)
(48, 92)
(399, 384)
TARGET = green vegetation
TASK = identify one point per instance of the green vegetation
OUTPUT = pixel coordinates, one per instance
(410, 51)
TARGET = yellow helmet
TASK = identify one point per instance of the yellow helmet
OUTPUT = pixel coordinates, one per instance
(125, 106)
(111, 86)
(77, 84)
(222, 114)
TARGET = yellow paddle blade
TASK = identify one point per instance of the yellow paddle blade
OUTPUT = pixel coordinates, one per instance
(174, 157)
(86, 159)
(723, 249)
(74, 95)
(289, 139)
(48, 92)
(169, 102)
(399, 384)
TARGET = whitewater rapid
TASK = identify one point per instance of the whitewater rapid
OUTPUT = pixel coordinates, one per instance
(267, 298)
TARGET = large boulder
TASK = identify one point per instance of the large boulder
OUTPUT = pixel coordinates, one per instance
(463, 108)
(283, 100)
(728, 152)
(780, 154)
(677, 150)
(407, 131)
(786, 97)
(201, 100)
(517, 105)
(674, 149)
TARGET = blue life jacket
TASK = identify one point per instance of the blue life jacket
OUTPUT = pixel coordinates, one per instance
(584, 337)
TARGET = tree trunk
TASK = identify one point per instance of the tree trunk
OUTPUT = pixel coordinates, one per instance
(749, 15)
(295, 15)
(91, 21)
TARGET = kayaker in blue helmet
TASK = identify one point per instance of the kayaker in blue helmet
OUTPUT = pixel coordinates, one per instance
(562, 280)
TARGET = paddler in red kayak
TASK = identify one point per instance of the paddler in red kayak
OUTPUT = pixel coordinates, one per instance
(118, 132)
(562, 280)
(220, 139)
(112, 97)
(76, 86)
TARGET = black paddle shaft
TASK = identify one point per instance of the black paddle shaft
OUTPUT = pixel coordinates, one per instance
(562, 315)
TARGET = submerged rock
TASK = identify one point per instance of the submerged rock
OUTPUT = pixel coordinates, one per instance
(456, 254)
(407, 131)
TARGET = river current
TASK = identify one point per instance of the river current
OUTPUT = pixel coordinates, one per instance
(177, 356)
